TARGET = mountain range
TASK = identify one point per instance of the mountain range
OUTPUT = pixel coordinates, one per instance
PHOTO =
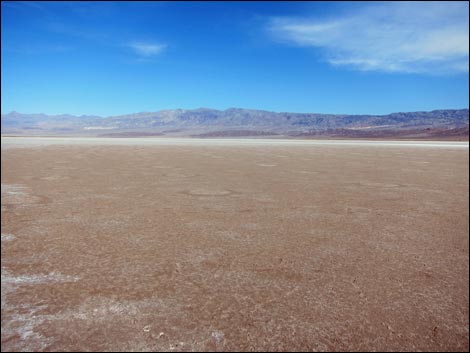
(204, 122)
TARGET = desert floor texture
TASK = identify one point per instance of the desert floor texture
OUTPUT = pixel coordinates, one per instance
(234, 247)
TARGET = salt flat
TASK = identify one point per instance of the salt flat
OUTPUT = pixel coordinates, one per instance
(223, 245)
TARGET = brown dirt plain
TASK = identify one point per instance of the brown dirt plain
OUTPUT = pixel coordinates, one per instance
(193, 248)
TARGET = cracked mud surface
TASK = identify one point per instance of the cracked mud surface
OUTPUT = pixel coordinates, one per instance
(157, 248)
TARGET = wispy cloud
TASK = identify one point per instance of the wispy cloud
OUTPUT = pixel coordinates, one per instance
(146, 49)
(419, 37)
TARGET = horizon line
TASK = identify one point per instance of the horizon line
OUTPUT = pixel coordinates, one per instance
(222, 110)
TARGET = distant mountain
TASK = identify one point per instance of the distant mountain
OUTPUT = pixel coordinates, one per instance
(17, 122)
(204, 122)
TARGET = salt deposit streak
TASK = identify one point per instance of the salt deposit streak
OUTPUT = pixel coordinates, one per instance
(12, 142)
(7, 278)
(8, 237)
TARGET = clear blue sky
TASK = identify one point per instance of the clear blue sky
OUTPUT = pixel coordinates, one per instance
(113, 58)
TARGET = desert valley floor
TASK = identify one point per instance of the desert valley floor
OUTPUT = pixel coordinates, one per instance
(234, 246)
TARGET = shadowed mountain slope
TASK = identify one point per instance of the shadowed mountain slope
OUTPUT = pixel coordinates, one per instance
(205, 122)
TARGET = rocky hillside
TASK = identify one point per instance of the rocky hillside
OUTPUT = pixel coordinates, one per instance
(236, 122)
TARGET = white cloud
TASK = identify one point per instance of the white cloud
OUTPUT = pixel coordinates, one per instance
(420, 37)
(146, 50)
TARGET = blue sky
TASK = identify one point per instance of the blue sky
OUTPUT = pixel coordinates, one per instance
(111, 58)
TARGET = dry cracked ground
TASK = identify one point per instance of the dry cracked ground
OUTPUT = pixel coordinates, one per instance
(193, 248)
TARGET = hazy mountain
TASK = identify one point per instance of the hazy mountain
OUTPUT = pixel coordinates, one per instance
(234, 122)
